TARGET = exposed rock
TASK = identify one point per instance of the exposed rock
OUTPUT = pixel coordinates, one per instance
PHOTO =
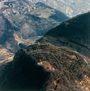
(47, 68)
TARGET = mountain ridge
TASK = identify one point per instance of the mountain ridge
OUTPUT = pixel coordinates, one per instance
(73, 33)
(71, 7)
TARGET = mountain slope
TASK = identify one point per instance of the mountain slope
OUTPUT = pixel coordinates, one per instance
(73, 33)
(6, 38)
(30, 19)
(29, 22)
(45, 67)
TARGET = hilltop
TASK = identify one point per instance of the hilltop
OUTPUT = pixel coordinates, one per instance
(45, 67)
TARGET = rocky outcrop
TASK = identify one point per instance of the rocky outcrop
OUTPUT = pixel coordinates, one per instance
(45, 67)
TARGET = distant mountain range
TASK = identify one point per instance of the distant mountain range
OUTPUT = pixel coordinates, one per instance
(69, 7)
(30, 19)
(73, 33)
(26, 23)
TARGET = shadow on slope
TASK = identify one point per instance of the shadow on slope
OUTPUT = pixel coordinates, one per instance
(73, 33)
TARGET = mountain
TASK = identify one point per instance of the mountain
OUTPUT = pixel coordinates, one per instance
(32, 18)
(73, 33)
(28, 21)
(45, 67)
(70, 8)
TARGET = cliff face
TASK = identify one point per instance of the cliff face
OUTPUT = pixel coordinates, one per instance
(45, 67)
(73, 33)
